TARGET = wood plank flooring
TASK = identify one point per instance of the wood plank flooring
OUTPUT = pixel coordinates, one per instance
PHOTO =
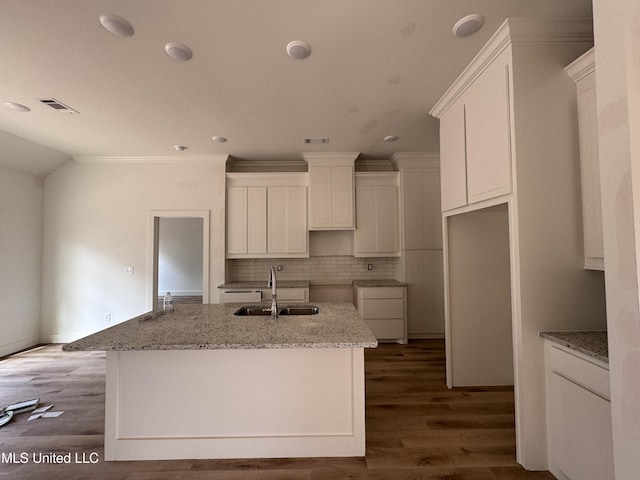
(416, 428)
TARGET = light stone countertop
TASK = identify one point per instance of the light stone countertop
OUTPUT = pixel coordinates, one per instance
(263, 284)
(379, 283)
(591, 343)
(214, 326)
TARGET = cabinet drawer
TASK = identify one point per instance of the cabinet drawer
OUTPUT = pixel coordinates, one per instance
(386, 329)
(383, 292)
(580, 370)
(287, 295)
(382, 308)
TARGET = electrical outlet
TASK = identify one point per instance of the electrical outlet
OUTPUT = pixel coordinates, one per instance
(128, 270)
(107, 317)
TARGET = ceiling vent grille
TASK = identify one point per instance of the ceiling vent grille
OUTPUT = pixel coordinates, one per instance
(316, 140)
(57, 105)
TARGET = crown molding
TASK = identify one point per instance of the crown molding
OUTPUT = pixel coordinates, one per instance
(330, 158)
(416, 160)
(88, 159)
(515, 31)
(582, 66)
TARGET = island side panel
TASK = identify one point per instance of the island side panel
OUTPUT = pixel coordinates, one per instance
(240, 403)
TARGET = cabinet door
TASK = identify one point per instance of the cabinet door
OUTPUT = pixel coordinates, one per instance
(453, 168)
(287, 220)
(423, 272)
(386, 204)
(320, 197)
(365, 234)
(342, 197)
(590, 170)
(580, 432)
(256, 220)
(236, 220)
(421, 209)
(278, 224)
(377, 211)
(297, 232)
(488, 134)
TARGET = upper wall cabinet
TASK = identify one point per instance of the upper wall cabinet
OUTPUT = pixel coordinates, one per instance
(267, 215)
(377, 231)
(331, 191)
(475, 140)
(583, 72)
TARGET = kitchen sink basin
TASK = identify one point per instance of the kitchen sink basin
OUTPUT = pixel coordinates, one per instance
(248, 310)
(301, 310)
(244, 311)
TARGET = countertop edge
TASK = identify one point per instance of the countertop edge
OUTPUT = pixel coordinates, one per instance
(564, 338)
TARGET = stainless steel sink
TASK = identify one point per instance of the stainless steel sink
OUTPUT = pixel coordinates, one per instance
(246, 310)
(300, 310)
(294, 310)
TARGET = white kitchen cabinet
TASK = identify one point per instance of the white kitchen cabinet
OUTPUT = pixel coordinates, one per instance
(578, 415)
(267, 216)
(384, 311)
(331, 191)
(287, 214)
(420, 207)
(377, 231)
(246, 220)
(425, 293)
(475, 139)
(421, 231)
(453, 163)
(521, 174)
(583, 73)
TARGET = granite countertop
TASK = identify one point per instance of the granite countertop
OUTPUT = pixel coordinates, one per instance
(263, 284)
(591, 343)
(379, 283)
(214, 326)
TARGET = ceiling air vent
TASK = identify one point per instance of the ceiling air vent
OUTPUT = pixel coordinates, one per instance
(57, 105)
(317, 140)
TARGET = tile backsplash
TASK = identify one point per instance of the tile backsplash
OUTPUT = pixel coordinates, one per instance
(326, 270)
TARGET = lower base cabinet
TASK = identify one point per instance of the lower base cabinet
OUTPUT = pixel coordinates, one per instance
(580, 442)
(384, 309)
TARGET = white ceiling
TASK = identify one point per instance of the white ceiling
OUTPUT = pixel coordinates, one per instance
(376, 68)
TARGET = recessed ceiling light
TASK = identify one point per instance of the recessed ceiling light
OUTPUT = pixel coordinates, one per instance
(116, 25)
(467, 25)
(391, 138)
(219, 139)
(298, 49)
(180, 148)
(178, 51)
(18, 107)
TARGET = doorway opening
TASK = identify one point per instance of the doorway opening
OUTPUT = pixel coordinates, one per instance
(178, 248)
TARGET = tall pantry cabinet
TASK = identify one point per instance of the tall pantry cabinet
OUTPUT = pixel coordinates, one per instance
(421, 245)
(511, 216)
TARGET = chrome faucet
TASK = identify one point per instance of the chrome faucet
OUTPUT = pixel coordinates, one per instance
(274, 291)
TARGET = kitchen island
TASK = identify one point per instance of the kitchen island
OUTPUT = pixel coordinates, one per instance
(202, 382)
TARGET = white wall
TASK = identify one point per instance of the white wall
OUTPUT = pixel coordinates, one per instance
(180, 256)
(95, 225)
(20, 259)
(617, 41)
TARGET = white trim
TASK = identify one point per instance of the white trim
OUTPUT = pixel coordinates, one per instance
(267, 179)
(582, 66)
(426, 160)
(21, 344)
(151, 297)
(514, 30)
(330, 158)
(91, 159)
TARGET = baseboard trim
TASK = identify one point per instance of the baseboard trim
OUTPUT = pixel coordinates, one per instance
(22, 344)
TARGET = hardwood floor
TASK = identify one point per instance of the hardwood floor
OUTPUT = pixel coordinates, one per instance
(416, 428)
